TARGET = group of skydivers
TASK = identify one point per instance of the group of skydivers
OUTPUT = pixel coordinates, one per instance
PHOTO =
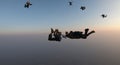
(83, 8)
(56, 35)
(28, 4)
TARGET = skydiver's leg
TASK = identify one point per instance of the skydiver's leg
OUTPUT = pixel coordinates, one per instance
(52, 31)
(90, 32)
(50, 36)
(25, 6)
(70, 3)
(84, 36)
(86, 31)
(60, 34)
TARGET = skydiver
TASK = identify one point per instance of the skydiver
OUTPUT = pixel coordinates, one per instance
(104, 16)
(70, 3)
(82, 7)
(27, 4)
(54, 35)
(78, 34)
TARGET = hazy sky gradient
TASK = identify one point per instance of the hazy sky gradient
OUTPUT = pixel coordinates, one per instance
(44, 14)
(101, 48)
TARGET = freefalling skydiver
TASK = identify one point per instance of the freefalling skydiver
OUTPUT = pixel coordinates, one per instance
(70, 3)
(54, 35)
(104, 16)
(78, 34)
(27, 4)
(82, 7)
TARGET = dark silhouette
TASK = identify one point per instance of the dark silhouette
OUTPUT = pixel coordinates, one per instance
(54, 35)
(70, 3)
(82, 7)
(27, 4)
(104, 16)
(78, 34)
(57, 36)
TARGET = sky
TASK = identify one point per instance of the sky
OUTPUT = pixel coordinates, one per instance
(46, 14)
(99, 48)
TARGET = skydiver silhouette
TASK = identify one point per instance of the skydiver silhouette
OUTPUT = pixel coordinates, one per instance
(82, 7)
(70, 3)
(78, 34)
(54, 35)
(27, 4)
(104, 16)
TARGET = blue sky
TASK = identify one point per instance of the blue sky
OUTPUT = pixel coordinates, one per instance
(44, 14)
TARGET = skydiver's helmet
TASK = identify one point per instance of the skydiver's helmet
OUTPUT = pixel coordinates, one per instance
(28, 2)
(56, 30)
(66, 33)
(71, 31)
